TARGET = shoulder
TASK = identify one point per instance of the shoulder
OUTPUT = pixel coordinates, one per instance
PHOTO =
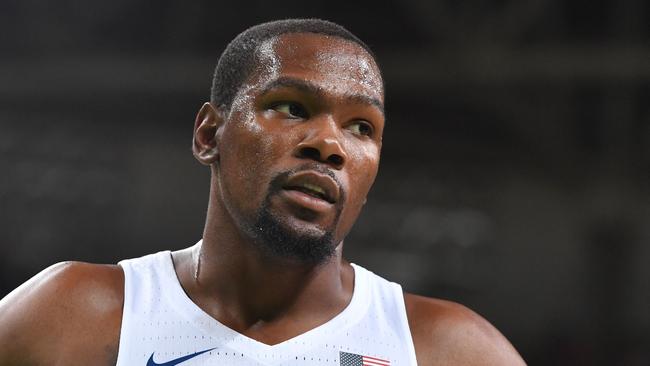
(447, 333)
(70, 309)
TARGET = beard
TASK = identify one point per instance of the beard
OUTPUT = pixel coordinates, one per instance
(278, 239)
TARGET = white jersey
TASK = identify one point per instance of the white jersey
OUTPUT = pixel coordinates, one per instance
(162, 326)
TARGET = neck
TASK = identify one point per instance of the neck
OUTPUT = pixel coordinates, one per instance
(250, 287)
(229, 277)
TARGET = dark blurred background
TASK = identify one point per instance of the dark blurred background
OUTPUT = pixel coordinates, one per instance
(514, 173)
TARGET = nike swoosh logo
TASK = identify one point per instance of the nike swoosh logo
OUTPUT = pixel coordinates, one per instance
(151, 362)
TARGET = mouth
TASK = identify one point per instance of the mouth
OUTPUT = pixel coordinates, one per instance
(314, 184)
(311, 190)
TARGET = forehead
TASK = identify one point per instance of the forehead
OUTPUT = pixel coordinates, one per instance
(336, 65)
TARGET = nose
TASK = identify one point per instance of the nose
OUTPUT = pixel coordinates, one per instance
(322, 143)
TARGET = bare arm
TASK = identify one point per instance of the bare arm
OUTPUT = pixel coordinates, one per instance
(69, 314)
(446, 333)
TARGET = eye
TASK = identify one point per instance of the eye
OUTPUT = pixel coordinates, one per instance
(291, 109)
(360, 128)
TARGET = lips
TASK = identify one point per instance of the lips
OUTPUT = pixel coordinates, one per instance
(314, 184)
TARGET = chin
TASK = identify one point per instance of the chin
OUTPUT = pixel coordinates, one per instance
(293, 239)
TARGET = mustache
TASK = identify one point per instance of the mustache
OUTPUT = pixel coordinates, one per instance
(276, 184)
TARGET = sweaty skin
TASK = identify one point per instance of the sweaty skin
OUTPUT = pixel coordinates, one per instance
(314, 102)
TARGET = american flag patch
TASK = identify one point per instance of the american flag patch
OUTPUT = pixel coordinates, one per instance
(351, 359)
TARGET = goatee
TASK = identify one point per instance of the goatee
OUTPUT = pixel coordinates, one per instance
(278, 239)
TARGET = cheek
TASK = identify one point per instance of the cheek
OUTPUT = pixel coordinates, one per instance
(250, 157)
(362, 172)
(365, 169)
(242, 161)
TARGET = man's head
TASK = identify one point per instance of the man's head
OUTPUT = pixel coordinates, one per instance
(294, 142)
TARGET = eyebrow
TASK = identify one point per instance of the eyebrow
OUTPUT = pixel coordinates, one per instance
(311, 88)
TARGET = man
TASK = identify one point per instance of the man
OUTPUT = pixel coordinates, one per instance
(292, 135)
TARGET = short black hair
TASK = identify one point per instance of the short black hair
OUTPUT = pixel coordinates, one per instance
(238, 59)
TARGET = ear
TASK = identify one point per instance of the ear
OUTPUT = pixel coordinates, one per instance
(204, 142)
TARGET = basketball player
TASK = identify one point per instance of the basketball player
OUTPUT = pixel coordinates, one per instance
(292, 135)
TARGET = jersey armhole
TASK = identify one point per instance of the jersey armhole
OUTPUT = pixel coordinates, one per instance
(125, 341)
(405, 329)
